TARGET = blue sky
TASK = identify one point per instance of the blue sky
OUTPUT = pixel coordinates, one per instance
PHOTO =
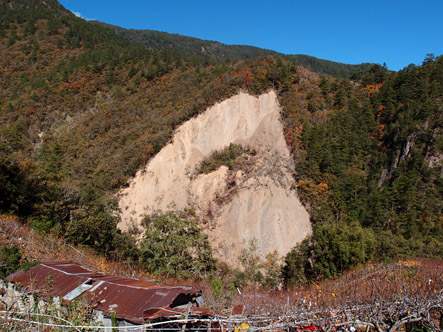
(397, 32)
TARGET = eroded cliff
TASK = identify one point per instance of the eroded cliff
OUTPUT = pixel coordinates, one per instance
(232, 206)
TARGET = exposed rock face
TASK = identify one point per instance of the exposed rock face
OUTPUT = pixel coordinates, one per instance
(233, 207)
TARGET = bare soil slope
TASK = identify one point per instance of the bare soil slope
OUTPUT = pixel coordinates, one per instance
(233, 207)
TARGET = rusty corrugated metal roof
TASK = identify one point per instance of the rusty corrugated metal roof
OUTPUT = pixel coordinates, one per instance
(51, 278)
(130, 299)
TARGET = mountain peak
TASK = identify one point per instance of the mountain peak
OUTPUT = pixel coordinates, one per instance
(29, 4)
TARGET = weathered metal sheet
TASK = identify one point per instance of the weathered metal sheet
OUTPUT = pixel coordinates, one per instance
(128, 301)
(237, 310)
(131, 299)
(48, 280)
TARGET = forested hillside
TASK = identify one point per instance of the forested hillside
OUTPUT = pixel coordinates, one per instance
(83, 108)
(370, 168)
(190, 46)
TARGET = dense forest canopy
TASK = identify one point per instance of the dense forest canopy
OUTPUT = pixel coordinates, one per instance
(83, 108)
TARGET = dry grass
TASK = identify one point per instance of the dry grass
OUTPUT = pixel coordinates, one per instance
(373, 283)
(45, 248)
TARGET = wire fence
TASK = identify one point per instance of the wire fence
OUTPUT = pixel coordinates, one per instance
(380, 298)
(381, 317)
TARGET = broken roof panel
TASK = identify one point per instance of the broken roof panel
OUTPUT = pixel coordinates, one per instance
(156, 313)
(129, 301)
(128, 298)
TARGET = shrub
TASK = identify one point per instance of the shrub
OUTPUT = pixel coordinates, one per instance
(175, 246)
(332, 249)
(11, 260)
(230, 156)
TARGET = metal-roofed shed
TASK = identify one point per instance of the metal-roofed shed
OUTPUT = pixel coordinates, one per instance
(131, 300)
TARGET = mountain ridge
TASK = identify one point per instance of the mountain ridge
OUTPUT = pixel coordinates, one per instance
(192, 46)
